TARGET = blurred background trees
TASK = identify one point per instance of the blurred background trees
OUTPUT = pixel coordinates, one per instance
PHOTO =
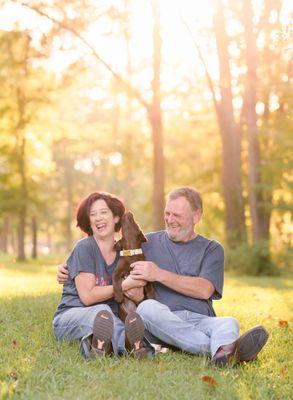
(136, 98)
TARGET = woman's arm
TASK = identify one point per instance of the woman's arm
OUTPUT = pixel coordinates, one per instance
(90, 294)
(87, 290)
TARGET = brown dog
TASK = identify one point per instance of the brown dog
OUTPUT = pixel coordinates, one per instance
(130, 251)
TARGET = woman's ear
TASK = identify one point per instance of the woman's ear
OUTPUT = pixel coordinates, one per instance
(116, 219)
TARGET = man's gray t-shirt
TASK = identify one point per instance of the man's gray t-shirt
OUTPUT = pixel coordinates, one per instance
(86, 257)
(199, 257)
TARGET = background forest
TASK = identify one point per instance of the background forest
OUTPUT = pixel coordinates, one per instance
(136, 98)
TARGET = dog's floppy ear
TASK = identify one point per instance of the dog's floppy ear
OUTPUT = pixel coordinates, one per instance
(118, 245)
(141, 237)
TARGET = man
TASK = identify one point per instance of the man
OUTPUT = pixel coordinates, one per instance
(187, 270)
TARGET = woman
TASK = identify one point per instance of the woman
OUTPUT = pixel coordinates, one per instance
(87, 309)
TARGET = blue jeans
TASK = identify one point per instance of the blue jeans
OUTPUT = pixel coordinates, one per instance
(77, 323)
(186, 330)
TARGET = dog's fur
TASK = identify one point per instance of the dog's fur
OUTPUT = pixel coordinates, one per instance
(132, 238)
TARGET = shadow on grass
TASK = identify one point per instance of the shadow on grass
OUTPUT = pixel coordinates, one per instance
(40, 265)
(283, 282)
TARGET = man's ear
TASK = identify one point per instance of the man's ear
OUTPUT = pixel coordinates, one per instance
(197, 217)
(141, 237)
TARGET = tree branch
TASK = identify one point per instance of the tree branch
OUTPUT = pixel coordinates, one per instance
(129, 88)
(208, 76)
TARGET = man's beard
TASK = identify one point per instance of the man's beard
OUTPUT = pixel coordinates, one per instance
(183, 235)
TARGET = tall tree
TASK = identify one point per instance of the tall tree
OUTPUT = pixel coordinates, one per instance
(24, 95)
(256, 197)
(230, 134)
(153, 109)
(155, 118)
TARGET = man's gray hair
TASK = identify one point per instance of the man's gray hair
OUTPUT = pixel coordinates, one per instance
(192, 195)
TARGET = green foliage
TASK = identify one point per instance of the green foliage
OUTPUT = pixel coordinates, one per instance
(251, 259)
(82, 131)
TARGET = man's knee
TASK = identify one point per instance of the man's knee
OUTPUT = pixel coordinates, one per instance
(233, 324)
(148, 309)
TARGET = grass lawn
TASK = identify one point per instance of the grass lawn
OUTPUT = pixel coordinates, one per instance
(34, 366)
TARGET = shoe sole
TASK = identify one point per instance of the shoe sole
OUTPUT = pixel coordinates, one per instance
(134, 333)
(251, 343)
(102, 331)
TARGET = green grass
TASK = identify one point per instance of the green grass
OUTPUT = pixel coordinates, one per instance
(34, 366)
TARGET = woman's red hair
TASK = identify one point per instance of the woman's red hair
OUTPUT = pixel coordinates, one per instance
(83, 210)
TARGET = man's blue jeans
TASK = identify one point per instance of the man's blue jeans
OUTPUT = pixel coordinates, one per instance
(77, 323)
(188, 331)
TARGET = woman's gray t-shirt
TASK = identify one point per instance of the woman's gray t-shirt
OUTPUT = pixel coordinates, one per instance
(86, 257)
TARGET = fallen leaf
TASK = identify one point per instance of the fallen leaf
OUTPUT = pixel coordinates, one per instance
(14, 343)
(283, 323)
(162, 366)
(284, 371)
(209, 380)
(13, 375)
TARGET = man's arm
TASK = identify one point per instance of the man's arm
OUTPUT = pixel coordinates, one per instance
(192, 286)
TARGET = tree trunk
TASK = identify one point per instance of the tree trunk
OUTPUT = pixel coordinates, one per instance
(69, 198)
(128, 149)
(24, 195)
(34, 238)
(155, 119)
(260, 226)
(232, 188)
(4, 233)
(21, 234)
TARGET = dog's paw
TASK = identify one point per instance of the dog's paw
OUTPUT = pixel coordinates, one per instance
(118, 297)
(149, 291)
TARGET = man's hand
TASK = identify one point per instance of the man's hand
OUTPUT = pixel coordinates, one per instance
(145, 270)
(62, 274)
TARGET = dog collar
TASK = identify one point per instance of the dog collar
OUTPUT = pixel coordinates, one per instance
(131, 252)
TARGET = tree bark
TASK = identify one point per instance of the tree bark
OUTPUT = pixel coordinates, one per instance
(34, 238)
(69, 197)
(260, 223)
(23, 206)
(155, 119)
(232, 187)
(4, 235)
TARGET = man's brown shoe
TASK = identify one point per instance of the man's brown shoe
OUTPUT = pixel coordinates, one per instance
(250, 343)
(102, 334)
(224, 355)
(245, 348)
(134, 333)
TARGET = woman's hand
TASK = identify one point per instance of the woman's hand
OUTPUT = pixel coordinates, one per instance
(130, 283)
(62, 274)
(135, 294)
